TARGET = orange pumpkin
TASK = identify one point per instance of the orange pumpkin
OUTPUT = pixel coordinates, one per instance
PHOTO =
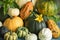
(13, 23)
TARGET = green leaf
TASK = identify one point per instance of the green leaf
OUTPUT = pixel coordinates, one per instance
(54, 17)
(1, 3)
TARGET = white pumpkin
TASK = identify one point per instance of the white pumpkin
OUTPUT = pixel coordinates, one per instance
(34, 2)
(13, 12)
(0, 23)
(20, 3)
(31, 36)
(45, 34)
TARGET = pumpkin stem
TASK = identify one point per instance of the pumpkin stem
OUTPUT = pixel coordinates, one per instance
(10, 32)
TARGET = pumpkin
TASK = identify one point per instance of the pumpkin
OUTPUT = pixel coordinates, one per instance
(13, 23)
(10, 36)
(47, 7)
(54, 28)
(22, 31)
(13, 12)
(31, 36)
(35, 24)
(34, 2)
(26, 10)
(3, 30)
(45, 34)
(0, 23)
(21, 3)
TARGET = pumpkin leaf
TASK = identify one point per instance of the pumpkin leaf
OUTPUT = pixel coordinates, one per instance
(6, 4)
(1, 3)
(56, 18)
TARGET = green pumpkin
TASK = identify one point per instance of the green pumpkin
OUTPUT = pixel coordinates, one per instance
(33, 25)
(10, 36)
(22, 32)
(3, 30)
(47, 7)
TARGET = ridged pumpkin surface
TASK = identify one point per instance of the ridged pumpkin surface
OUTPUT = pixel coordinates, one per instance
(54, 28)
(13, 23)
(47, 7)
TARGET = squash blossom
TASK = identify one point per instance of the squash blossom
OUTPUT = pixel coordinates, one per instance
(39, 18)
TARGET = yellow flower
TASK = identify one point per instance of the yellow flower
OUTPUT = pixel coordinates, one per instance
(39, 18)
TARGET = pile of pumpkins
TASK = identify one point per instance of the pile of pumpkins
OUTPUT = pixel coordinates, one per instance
(29, 25)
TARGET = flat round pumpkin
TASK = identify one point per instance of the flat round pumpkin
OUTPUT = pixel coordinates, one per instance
(13, 23)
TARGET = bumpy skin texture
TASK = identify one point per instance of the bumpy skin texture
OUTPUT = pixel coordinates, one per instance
(26, 10)
(47, 7)
(10, 36)
(13, 23)
(54, 28)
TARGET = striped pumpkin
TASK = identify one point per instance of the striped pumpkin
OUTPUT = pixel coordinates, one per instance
(10, 36)
(22, 31)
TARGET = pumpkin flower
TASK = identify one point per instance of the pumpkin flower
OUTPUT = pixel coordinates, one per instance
(39, 18)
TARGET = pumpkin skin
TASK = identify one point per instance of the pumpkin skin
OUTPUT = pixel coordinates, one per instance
(22, 31)
(13, 12)
(45, 34)
(26, 10)
(47, 7)
(33, 25)
(54, 28)
(3, 30)
(21, 3)
(13, 23)
(31, 36)
(0, 23)
(10, 36)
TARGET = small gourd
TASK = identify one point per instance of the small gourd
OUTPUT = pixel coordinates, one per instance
(45, 34)
(13, 23)
(26, 10)
(10, 36)
(13, 12)
(54, 28)
(22, 31)
(21, 3)
(0, 23)
(31, 36)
